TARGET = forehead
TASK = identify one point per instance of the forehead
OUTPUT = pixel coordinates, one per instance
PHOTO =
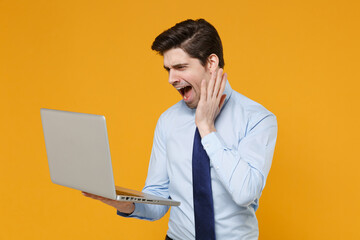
(178, 56)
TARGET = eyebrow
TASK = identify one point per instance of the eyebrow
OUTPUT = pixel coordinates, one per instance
(176, 66)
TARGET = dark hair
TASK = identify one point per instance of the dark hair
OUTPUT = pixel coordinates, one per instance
(198, 38)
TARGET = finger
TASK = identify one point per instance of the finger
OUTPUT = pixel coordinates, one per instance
(222, 100)
(222, 89)
(203, 90)
(218, 82)
(93, 196)
(85, 194)
(107, 201)
(211, 84)
(223, 84)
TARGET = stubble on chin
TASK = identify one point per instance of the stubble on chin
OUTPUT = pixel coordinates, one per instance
(192, 105)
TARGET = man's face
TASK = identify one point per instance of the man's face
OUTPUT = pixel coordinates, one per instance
(185, 74)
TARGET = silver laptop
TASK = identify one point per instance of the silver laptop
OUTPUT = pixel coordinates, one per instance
(78, 153)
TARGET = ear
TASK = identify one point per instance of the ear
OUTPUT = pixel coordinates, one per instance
(212, 62)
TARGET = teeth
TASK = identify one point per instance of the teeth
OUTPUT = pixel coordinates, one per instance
(179, 88)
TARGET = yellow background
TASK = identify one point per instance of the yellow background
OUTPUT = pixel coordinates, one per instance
(300, 59)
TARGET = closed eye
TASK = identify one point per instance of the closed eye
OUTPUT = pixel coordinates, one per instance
(181, 66)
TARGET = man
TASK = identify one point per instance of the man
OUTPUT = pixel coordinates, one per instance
(237, 134)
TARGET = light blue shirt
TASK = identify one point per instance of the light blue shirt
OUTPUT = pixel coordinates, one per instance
(240, 153)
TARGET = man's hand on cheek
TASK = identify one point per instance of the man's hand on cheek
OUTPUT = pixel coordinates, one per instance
(211, 102)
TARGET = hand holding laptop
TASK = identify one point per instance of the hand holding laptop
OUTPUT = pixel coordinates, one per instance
(78, 153)
(124, 207)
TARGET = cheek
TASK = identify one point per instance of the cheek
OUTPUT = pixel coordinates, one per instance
(188, 77)
(194, 77)
(198, 79)
(196, 82)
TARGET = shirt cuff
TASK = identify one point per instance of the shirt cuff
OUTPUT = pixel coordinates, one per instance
(212, 144)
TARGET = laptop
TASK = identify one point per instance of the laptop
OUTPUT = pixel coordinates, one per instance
(78, 153)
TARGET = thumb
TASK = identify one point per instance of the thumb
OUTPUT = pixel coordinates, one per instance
(222, 100)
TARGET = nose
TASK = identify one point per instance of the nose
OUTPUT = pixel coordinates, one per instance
(173, 77)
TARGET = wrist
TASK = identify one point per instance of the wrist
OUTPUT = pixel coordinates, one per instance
(126, 207)
(206, 129)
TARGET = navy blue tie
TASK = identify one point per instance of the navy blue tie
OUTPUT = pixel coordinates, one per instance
(202, 193)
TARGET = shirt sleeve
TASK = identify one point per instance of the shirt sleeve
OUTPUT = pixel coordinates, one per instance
(157, 181)
(243, 171)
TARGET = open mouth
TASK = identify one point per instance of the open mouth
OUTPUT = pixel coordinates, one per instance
(185, 92)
